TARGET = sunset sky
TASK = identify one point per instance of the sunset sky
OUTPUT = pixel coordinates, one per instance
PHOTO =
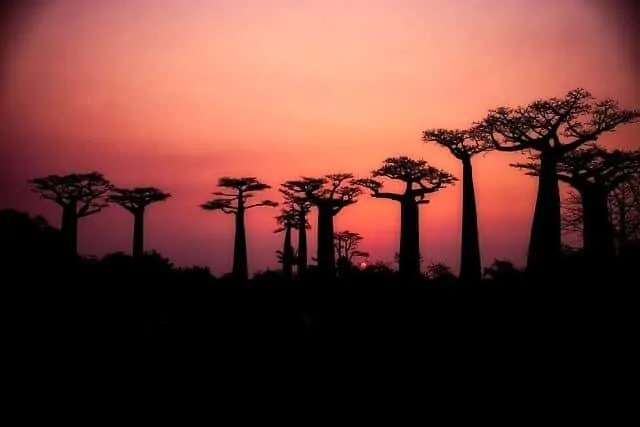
(177, 93)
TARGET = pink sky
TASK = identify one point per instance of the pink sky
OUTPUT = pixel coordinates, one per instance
(175, 94)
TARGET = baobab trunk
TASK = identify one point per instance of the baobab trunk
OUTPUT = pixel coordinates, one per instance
(470, 264)
(287, 254)
(326, 254)
(545, 240)
(409, 256)
(138, 234)
(69, 228)
(302, 245)
(597, 234)
(240, 269)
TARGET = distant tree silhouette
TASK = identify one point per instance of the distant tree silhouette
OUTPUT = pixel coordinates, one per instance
(136, 201)
(624, 206)
(287, 220)
(79, 195)
(235, 203)
(346, 245)
(420, 179)
(464, 145)
(295, 193)
(552, 127)
(594, 172)
(330, 194)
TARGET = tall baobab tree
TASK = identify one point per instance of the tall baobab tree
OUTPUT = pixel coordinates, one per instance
(420, 179)
(136, 201)
(594, 172)
(295, 194)
(79, 195)
(463, 145)
(551, 127)
(287, 220)
(330, 194)
(235, 202)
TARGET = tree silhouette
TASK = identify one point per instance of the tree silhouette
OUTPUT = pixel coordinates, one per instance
(420, 179)
(624, 205)
(236, 203)
(594, 172)
(346, 244)
(330, 194)
(552, 127)
(287, 220)
(136, 201)
(464, 145)
(295, 193)
(79, 195)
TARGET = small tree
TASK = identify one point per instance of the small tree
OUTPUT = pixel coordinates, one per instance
(136, 201)
(236, 203)
(551, 127)
(330, 194)
(420, 179)
(463, 145)
(295, 193)
(346, 244)
(79, 195)
(594, 172)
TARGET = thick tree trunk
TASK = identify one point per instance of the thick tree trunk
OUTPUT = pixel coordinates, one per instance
(470, 264)
(598, 239)
(409, 256)
(287, 254)
(240, 269)
(326, 253)
(545, 241)
(69, 228)
(138, 234)
(302, 245)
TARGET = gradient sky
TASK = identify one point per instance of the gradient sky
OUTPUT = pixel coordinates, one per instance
(175, 93)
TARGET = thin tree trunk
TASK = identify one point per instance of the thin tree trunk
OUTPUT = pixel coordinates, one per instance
(69, 228)
(287, 254)
(302, 245)
(326, 252)
(138, 234)
(470, 264)
(409, 256)
(545, 241)
(240, 269)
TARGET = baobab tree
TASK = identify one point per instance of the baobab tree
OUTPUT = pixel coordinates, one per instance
(594, 172)
(346, 245)
(463, 145)
(236, 203)
(79, 195)
(551, 127)
(295, 194)
(287, 221)
(330, 194)
(420, 179)
(136, 201)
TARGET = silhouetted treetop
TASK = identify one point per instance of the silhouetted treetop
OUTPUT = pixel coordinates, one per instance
(346, 244)
(562, 124)
(136, 199)
(336, 190)
(592, 164)
(245, 188)
(289, 217)
(461, 143)
(428, 179)
(88, 190)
